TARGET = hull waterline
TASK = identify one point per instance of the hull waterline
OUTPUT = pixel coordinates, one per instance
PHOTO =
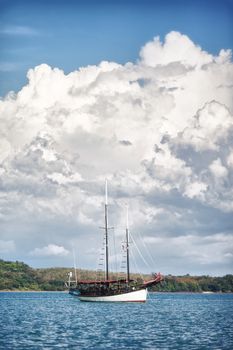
(135, 296)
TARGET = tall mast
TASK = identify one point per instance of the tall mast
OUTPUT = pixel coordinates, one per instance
(106, 229)
(75, 268)
(127, 242)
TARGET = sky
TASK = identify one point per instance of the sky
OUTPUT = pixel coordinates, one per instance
(135, 92)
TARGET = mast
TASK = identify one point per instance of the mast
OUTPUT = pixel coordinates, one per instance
(106, 229)
(75, 268)
(127, 242)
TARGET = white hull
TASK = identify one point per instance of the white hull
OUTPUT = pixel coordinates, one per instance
(137, 296)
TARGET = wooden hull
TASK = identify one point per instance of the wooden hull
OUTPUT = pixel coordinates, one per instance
(135, 296)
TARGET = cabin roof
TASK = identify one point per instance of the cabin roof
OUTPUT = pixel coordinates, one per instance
(104, 282)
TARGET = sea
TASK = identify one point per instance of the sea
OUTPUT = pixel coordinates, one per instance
(57, 320)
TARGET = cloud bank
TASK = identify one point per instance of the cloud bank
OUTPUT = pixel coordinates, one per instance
(160, 130)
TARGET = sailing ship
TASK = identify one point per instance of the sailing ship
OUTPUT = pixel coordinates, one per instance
(113, 290)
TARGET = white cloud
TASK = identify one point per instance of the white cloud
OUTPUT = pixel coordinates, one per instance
(195, 189)
(50, 250)
(218, 169)
(209, 128)
(160, 130)
(176, 48)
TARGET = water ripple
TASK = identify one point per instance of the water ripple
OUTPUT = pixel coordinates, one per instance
(167, 321)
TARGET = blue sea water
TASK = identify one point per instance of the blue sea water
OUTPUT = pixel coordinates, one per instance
(166, 321)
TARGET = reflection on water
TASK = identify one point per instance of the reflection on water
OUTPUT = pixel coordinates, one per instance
(166, 321)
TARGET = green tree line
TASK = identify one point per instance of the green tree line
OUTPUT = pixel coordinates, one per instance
(19, 276)
(196, 284)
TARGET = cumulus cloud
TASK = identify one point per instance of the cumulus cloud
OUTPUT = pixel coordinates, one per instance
(218, 169)
(176, 48)
(50, 250)
(210, 128)
(160, 130)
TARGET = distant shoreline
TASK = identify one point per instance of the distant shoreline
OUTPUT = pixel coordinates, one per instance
(19, 277)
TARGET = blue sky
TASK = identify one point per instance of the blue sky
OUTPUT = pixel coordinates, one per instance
(70, 34)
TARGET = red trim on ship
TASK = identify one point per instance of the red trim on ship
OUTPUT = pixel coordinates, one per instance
(158, 278)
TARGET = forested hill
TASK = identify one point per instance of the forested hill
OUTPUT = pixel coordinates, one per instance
(19, 276)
